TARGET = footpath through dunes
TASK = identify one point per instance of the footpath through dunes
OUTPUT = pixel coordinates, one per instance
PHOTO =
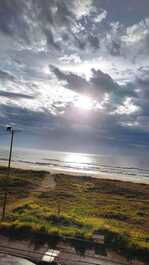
(48, 183)
(41, 204)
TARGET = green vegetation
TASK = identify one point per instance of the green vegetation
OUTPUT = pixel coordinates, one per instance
(78, 207)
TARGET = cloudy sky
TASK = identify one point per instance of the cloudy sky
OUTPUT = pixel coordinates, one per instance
(74, 74)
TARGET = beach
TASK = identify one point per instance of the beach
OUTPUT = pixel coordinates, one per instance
(123, 168)
(77, 172)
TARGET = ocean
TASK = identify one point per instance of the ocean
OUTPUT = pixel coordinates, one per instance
(111, 166)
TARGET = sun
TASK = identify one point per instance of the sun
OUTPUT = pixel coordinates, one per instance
(84, 103)
(46, 70)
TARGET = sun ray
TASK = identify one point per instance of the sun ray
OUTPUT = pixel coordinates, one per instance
(84, 103)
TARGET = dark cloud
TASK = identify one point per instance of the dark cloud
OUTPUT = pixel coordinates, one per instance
(6, 76)
(103, 82)
(30, 21)
(116, 48)
(25, 118)
(50, 39)
(13, 21)
(74, 82)
(143, 77)
(98, 84)
(94, 41)
(11, 15)
(128, 12)
(14, 95)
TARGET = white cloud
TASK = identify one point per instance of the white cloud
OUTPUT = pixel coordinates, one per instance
(130, 124)
(136, 32)
(77, 27)
(102, 105)
(99, 18)
(68, 59)
(83, 8)
(128, 107)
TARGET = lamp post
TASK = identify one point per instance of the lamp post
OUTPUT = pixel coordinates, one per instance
(11, 130)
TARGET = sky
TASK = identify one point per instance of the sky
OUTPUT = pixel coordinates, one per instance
(74, 74)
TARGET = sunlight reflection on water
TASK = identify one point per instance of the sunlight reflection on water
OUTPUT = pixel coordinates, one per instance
(77, 158)
(106, 165)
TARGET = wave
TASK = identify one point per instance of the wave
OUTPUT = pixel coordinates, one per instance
(97, 165)
(90, 167)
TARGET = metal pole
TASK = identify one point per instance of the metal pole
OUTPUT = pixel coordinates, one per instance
(9, 165)
(10, 153)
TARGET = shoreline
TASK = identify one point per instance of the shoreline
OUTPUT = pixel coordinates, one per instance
(80, 173)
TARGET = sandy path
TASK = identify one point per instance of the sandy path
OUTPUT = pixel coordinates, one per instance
(48, 183)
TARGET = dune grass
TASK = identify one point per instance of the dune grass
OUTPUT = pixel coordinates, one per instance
(79, 207)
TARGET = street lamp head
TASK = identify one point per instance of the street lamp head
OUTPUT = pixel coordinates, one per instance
(9, 129)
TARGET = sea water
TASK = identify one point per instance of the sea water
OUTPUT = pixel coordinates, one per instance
(118, 167)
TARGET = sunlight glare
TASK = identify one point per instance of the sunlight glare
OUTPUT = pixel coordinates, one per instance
(77, 158)
(46, 70)
(84, 103)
